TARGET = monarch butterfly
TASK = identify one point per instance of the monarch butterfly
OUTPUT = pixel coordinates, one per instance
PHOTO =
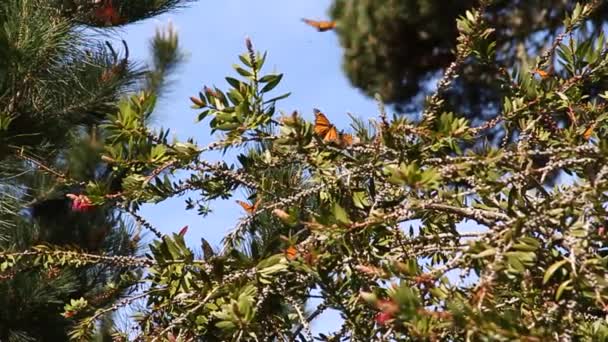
(249, 208)
(542, 73)
(346, 139)
(324, 128)
(321, 26)
(291, 253)
(208, 252)
(588, 132)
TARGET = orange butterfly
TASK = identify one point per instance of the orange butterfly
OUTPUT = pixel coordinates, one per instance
(321, 26)
(542, 73)
(249, 208)
(324, 128)
(588, 132)
(291, 253)
(346, 139)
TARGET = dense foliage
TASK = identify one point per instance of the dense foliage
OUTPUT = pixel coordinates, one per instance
(59, 79)
(396, 47)
(412, 230)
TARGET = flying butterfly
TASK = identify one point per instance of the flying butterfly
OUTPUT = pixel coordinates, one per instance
(323, 128)
(249, 208)
(321, 26)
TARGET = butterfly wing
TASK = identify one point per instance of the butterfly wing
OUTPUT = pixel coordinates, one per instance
(331, 135)
(291, 253)
(208, 252)
(542, 73)
(326, 25)
(254, 207)
(346, 139)
(588, 132)
(321, 26)
(322, 124)
(248, 207)
(310, 22)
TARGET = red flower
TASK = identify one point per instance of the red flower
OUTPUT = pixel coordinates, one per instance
(387, 306)
(108, 14)
(387, 309)
(383, 317)
(80, 202)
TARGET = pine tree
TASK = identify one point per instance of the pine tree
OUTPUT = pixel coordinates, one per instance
(59, 79)
(395, 47)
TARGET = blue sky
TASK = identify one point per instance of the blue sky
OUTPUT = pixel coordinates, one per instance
(212, 34)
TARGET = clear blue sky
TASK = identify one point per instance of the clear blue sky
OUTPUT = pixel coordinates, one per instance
(212, 34)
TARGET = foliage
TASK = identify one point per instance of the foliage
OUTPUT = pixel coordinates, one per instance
(58, 81)
(378, 228)
(395, 48)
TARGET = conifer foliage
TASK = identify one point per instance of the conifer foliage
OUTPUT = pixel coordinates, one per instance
(59, 79)
(375, 221)
(395, 47)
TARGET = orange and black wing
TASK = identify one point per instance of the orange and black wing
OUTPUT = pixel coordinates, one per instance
(324, 128)
(332, 135)
(321, 26)
(346, 139)
(588, 132)
(322, 124)
(291, 253)
(249, 208)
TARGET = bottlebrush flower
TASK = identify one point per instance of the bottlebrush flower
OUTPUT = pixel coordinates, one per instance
(387, 309)
(68, 314)
(107, 14)
(80, 203)
(383, 317)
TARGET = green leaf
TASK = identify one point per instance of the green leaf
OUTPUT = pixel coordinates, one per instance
(560, 290)
(267, 78)
(488, 252)
(272, 83)
(242, 71)
(261, 59)
(273, 269)
(236, 84)
(272, 260)
(280, 97)
(360, 199)
(340, 214)
(551, 269)
(245, 59)
(225, 325)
